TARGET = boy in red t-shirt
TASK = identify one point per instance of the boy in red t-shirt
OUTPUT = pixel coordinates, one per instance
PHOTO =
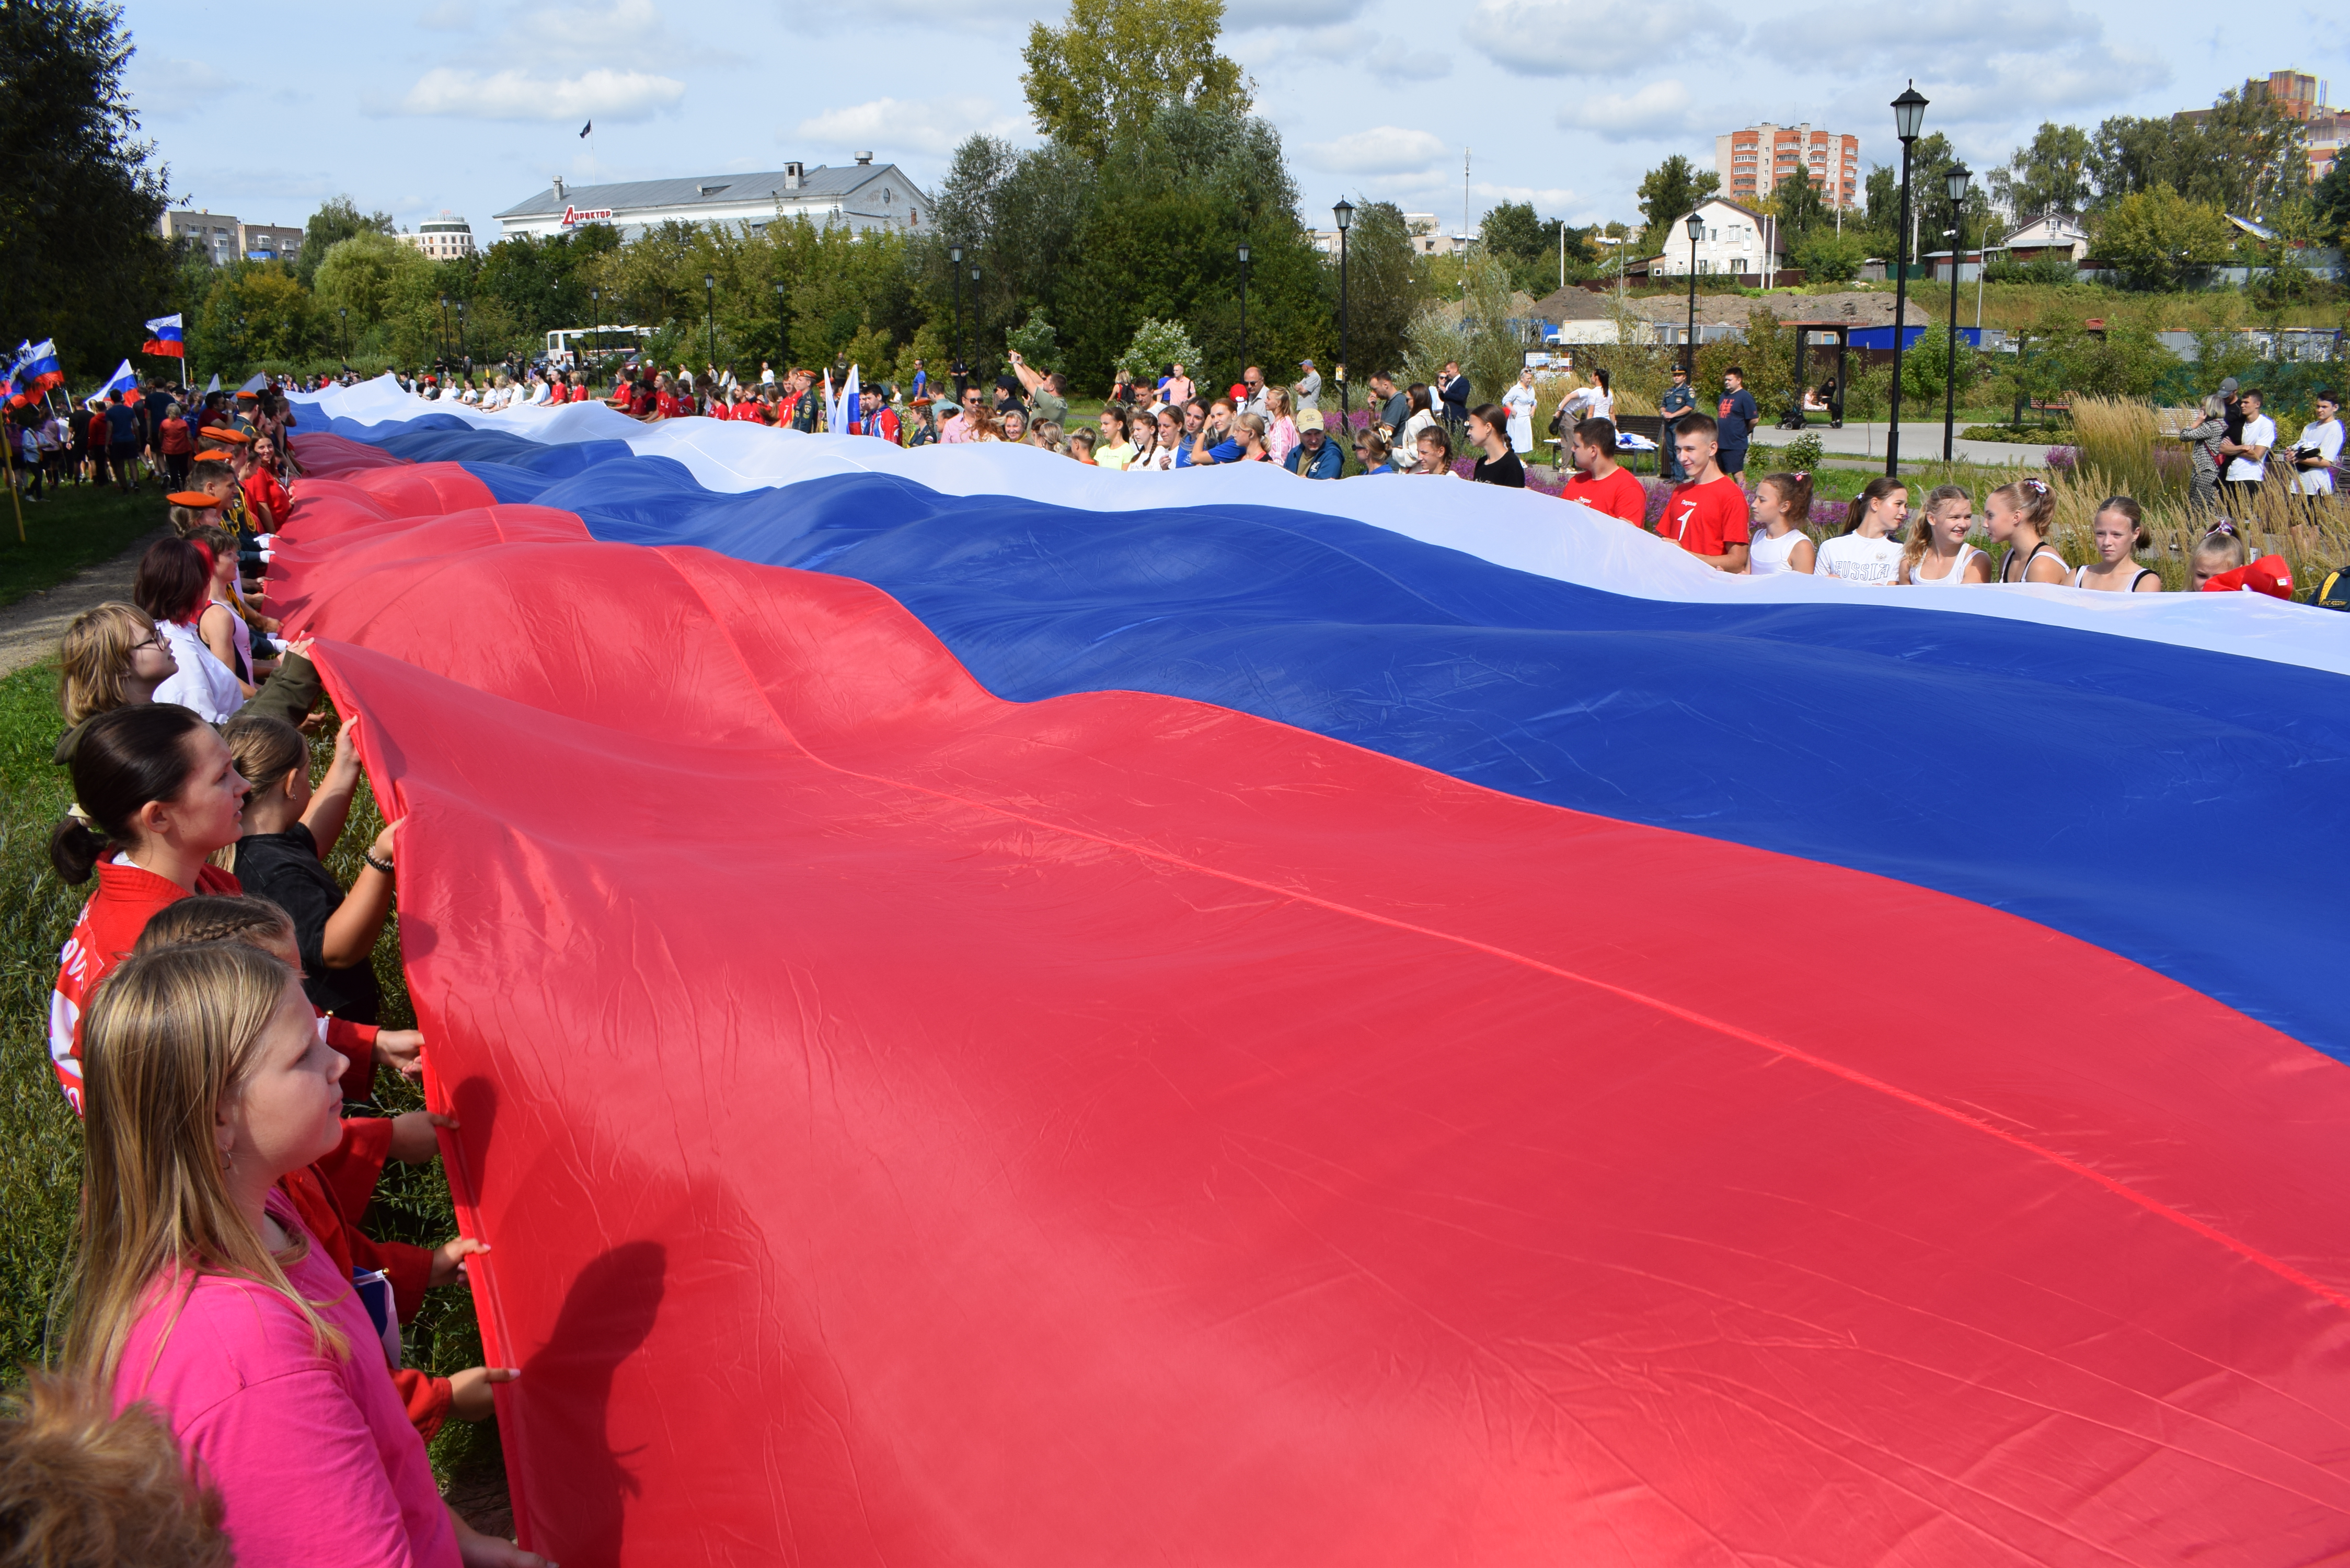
(1600, 482)
(1708, 517)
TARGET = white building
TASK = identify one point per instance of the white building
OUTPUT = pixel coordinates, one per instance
(864, 197)
(1752, 161)
(445, 238)
(1428, 237)
(1733, 243)
(2059, 234)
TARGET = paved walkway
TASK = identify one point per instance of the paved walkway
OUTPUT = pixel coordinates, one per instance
(1920, 442)
(30, 627)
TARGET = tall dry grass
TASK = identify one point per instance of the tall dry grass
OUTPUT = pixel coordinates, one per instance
(2122, 448)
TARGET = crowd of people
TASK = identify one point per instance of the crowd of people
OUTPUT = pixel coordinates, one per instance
(232, 1380)
(131, 435)
(1883, 542)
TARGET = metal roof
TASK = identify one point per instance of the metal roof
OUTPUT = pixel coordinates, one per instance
(817, 182)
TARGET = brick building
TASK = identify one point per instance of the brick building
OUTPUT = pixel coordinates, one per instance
(1752, 161)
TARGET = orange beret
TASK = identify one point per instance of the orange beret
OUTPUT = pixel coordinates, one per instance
(212, 457)
(223, 432)
(192, 498)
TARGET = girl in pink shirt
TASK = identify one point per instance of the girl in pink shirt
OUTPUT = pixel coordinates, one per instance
(201, 1294)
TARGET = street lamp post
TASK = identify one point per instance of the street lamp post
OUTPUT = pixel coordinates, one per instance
(1244, 356)
(783, 327)
(710, 304)
(345, 312)
(1695, 226)
(1345, 214)
(462, 352)
(1957, 185)
(954, 260)
(596, 304)
(1908, 114)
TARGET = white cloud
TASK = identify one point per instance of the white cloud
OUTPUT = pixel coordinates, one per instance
(930, 125)
(1395, 60)
(1387, 150)
(627, 29)
(1295, 14)
(515, 95)
(171, 90)
(1579, 38)
(1657, 109)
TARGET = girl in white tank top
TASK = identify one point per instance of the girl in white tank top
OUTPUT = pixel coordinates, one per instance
(1938, 555)
(1782, 503)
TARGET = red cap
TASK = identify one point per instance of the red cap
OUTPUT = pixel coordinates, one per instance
(2269, 575)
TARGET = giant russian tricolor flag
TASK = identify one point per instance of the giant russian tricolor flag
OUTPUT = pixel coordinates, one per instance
(1008, 1014)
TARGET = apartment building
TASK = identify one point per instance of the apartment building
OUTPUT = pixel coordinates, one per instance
(445, 238)
(1752, 161)
(213, 234)
(268, 242)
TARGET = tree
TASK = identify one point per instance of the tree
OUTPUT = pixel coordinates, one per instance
(1155, 345)
(2157, 238)
(332, 223)
(1670, 192)
(360, 273)
(1110, 67)
(1386, 284)
(256, 311)
(1527, 244)
(1796, 202)
(2329, 204)
(1827, 256)
(81, 259)
(2051, 175)
(1883, 189)
(2243, 155)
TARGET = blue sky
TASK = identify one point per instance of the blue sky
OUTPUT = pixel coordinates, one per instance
(264, 109)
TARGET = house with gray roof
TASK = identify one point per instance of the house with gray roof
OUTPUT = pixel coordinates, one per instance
(864, 196)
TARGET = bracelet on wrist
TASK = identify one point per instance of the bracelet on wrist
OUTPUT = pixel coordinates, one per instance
(382, 865)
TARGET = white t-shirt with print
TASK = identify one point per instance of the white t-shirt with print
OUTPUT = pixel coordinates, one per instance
(1859, 560)
(2260, 432)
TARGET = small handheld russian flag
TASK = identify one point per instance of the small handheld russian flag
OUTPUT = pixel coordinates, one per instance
(40, 371)
(165, 338)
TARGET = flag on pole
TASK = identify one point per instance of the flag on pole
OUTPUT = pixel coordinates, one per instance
(850, 401)
(255, 385)
(124, 377)
(586, 129)
(831, 403)
(41, 370)
(165, 338)
(214, 386)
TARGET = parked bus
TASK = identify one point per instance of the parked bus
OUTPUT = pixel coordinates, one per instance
(565, 344)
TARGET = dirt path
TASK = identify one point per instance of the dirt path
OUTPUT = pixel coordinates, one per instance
(30, 627)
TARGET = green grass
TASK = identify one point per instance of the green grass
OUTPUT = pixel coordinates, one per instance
(40, 1140)
(77, 526)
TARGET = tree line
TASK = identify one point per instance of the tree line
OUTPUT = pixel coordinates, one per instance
(2154, 195)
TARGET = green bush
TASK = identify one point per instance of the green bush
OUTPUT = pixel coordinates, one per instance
(2056, 270)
